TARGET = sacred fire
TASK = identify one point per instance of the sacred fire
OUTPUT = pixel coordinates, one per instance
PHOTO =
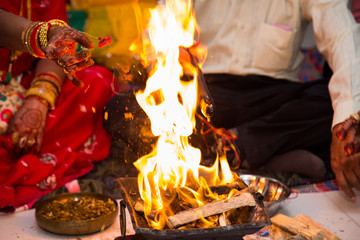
(172, 173)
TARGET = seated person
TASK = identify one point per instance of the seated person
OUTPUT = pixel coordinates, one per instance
(52, 132)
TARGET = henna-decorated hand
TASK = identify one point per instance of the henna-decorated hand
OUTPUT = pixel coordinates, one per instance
(345, 155)
(62, 46)
(27, 127)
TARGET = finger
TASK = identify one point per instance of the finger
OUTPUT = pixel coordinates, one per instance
(349, 123)
(345, 127)
(30, 144)
(349, 149)
(350, 173)
(69, 36)
(351, 132)
(68, 60)
(356, 172)
(52, 51)
(19, 147)
(341, 133)
(355, 181)
(39, 140)
(77, 82)
(15, 138)
(56, 50)
(357, 147)
(345, 186)
(79, 66)
(83, 40)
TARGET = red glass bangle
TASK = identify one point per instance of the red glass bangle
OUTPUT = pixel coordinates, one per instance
(34, 42)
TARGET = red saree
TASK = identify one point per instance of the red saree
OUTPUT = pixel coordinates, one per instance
(74, 134)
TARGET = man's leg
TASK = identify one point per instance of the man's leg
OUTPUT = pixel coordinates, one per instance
(272, 117)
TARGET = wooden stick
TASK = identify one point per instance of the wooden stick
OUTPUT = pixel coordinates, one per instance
(307, 220)
(225, 189)
(278, 234)
(240, 199)
(139, 207)
(296, 227)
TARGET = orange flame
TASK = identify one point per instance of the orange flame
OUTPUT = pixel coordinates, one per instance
(173, 168)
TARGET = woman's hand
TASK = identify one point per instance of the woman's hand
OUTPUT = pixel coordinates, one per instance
(27, 127)
(62, 48)
(345, 155)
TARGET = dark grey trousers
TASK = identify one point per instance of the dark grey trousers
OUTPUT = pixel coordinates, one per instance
(273, 116)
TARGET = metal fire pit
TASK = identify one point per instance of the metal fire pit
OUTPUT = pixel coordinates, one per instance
(130, 193)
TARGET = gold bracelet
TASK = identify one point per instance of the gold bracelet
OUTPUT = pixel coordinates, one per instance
(58, 22)
(49, 97)
(46, 86)
(43, 35)
(43, 38)
(50, 77)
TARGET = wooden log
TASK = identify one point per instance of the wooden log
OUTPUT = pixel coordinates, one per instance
(139, 207)
(278, 234)
(223, 221)
(225, 189)
(307, 220)
(297, 228)
(240, 199)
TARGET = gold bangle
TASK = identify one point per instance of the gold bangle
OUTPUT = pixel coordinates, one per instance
(49, 97)
(49, 77)
(43, 35)
(37, 42)
(43, 31)
(46, 86)
(58, 22)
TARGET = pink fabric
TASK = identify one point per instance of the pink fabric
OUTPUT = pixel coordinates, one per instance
(284, 27)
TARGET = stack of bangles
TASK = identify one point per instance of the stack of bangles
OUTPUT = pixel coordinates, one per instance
(35, 36)
(45, 87)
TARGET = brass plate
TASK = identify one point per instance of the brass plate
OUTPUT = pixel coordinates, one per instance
(75, 227)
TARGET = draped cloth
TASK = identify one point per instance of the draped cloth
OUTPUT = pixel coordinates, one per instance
(74, 135)
(74, 138)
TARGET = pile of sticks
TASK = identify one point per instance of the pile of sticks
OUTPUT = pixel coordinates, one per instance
(242, 199)
(301, 227)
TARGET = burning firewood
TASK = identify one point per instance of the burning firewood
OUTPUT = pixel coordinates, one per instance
(139, 207)
(225, 189)
(240, 199)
